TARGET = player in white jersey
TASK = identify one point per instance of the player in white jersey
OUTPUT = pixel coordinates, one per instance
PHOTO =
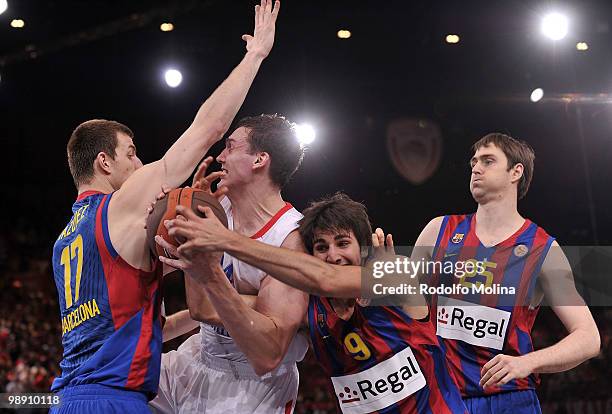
(248, 365)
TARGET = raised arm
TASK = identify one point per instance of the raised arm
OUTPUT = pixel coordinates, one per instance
(214, 117)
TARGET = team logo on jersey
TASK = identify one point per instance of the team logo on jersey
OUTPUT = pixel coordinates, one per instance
(475, 324)
(442, 315)
(380, 386)
(521, 250)
(457, 237)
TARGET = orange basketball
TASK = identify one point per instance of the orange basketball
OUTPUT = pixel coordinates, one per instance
(165, 209)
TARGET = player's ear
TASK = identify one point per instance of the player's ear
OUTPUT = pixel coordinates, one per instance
(102, 162)
(516, 172)
(261, 160)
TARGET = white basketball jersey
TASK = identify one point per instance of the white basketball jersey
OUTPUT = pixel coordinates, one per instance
(247, 279)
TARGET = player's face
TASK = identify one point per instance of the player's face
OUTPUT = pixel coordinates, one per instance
(235, 159)
(337, 247)
(126, 161)
(490, 176)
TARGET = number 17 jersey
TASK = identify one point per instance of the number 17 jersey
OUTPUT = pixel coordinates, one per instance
(110, 311)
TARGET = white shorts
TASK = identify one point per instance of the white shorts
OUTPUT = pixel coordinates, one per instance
(193, 381)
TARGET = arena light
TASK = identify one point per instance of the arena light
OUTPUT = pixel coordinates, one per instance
(17, 23)
(582, 46)
(555, 26)
(344, 34)
(536, 94)
(173, 78)
(305, 134)
(3, 6)
(166, 27)
(452, 39)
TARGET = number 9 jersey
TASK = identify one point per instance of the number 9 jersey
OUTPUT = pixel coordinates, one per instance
(110, 311)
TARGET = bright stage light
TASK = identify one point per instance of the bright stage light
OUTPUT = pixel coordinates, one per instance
(452, 38)
(554, 26)
(17, 23)
(537, 94)
(344, 34)
(3, 6)
(582, 46)
(166, 27)
(173, 78)
(305, 133)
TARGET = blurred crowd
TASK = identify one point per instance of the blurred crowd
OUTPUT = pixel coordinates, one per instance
(30, 340)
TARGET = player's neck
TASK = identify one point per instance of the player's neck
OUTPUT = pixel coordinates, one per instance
(98, 185)
(344, 308)
(254, 206)
(497, 219)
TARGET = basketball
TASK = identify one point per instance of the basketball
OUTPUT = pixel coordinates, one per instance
(165, 209)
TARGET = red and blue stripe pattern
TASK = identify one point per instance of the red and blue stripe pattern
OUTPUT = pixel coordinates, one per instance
(457, 240)
(119, 346)
(385, 330)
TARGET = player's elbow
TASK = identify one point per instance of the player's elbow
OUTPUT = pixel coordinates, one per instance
(594, 345)
(266, 365)
(202, 316)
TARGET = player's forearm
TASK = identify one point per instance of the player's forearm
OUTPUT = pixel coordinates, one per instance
(200, 307)
(580, 345)
(296, 269)
(213, 118)
(221, 107)
(256, 334)
(178, 324)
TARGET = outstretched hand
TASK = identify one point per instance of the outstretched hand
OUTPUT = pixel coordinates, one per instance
(382, 245)
(205, 183)
(265, 25)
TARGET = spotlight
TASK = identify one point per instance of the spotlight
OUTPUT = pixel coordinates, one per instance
(554, 26)
(3, 6)
(344, 34)
(17, 23)
(305, 133)
(166, 27)
(537, 94)
(173, 78)
(582, 46)
(452, 38)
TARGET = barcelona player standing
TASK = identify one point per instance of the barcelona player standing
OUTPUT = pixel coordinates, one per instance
(486, 327)
(108, 284)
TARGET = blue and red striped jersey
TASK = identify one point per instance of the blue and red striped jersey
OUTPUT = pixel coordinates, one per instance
(382, 361)
(493, 312)
(110, 311)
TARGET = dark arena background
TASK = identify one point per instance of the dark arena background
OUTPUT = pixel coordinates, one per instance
(395, 91)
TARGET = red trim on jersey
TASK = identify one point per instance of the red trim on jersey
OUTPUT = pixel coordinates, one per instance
(122, 282)
(272, 221)
(140, 361)
(86, 194)
(418, 334)
(289, 407)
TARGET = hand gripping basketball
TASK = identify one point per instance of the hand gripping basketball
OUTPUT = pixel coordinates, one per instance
(166, 209)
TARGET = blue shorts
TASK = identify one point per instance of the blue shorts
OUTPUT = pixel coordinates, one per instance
(513, 402)
(100, 399)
